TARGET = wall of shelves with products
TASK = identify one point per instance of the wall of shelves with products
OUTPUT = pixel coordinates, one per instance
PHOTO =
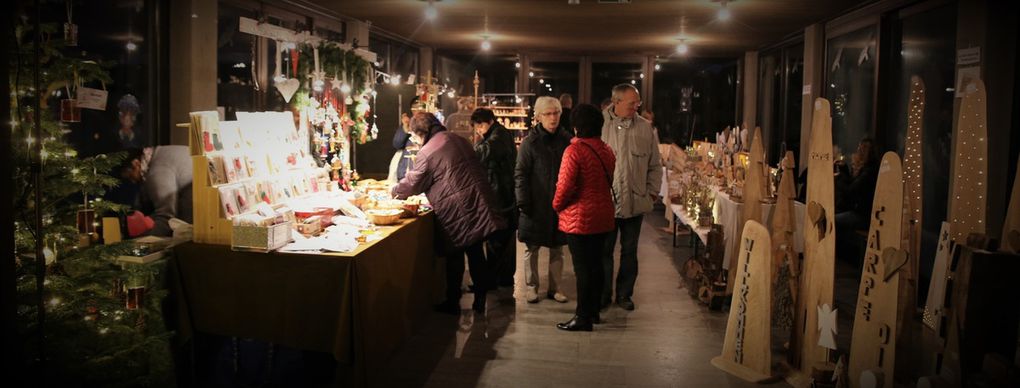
(512, 111)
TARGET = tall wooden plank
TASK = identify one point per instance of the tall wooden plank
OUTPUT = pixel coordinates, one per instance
(785, 286)
(819, 250)
(754, 191)
(913, 194)
(873, 344)
(970, 179)
(746, 349)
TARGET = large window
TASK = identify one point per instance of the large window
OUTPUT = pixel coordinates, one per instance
(694, 98)
(850, 85)
(128, 39)
(781, 75)
(924, 44)
(554, 79)
(605, 75)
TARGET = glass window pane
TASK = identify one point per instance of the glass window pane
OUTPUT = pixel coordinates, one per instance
(927, 49)
(606, 75)
(235, 84)
(850, 75)
(694, 99)
(794, 56)
(554, 79)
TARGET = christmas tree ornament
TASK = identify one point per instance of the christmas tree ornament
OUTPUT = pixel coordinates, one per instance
(70, 29)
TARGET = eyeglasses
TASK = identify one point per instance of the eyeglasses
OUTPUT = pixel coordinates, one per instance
(550, 113)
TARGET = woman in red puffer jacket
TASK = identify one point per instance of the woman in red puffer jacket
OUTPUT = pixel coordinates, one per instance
(584, 202)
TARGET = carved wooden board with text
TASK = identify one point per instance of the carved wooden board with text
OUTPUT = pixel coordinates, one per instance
(818, 270)
(873, 343)
(746, 349)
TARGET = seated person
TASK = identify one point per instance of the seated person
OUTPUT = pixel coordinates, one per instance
(855, 191)
(164, 174)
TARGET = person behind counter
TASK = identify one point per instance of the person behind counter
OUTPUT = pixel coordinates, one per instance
(450, 174)
(164, 174)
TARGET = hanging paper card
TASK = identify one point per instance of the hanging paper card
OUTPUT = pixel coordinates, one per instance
(90, 98)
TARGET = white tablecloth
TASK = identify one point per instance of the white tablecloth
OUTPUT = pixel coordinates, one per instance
(727, 213)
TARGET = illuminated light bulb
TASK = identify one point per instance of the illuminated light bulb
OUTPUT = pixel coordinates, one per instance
(658, 66)
(541, 80)
(486, 45)
(531, 74)
(430, 12)
(517, 65)
(642, 75)
(724, 13)
(131, 46)
(682, 48)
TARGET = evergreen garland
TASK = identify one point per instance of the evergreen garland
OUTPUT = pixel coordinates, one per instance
(334, 61)
(91, 337)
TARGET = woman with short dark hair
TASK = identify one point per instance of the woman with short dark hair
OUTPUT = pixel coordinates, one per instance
(451, 176)
(584, 202)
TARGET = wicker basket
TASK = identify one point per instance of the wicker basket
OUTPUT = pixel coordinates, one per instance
(384, 216)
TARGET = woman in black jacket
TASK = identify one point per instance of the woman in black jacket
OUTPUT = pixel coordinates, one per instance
(538, 166)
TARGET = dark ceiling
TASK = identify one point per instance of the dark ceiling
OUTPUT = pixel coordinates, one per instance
(554, 26)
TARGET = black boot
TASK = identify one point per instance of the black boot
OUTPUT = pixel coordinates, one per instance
(575, 324)
(448, 307)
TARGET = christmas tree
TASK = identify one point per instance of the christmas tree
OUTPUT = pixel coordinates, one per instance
(85, 319)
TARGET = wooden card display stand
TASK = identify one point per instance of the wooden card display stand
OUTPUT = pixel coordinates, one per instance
(746, 349)
(754, 191)
(818, 271)
(873, 344)
(211, 226)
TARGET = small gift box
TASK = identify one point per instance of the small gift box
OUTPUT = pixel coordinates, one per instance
(261, 238)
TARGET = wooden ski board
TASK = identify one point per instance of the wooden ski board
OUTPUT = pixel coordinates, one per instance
(913, 195)
(873, 344)
(818, 270)
(754, 191)
(747, 351)
(1010, 241)
(970, 166)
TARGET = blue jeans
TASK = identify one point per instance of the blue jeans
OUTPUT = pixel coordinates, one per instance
(629, 229)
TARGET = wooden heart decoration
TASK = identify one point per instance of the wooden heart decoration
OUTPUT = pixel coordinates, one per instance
(894, 259)
(816, 213)
(1014, 240)
(288, 88)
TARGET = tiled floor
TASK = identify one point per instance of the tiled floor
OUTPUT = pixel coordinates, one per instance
(667, 341)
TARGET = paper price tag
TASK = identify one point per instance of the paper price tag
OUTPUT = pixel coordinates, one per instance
(89, 98)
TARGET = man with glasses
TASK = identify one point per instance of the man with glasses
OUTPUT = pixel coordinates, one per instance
(636, 181)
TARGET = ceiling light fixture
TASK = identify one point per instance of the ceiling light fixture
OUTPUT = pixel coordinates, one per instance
(541, 80)
(531, 74)
(724, 13)
(517, 65)
(682, 48)
(486, 45)
(658, 67)
(430, 11)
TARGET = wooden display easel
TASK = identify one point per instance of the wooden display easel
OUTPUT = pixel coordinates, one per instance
(874, 338)
(211, 226)
(754, 192)
(747, 349)
(818, 271)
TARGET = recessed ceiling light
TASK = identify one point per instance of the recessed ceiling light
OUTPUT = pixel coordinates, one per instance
(486, 45)
(430, 12)
(517, 65)
(724, 13)
(541, 80)
(531, 74)
(682, 48)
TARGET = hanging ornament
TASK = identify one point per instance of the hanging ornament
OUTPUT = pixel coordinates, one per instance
(318, 76)
(135, 297)
(286, 86)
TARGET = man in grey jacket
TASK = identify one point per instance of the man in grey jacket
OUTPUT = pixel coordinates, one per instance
(636, 181)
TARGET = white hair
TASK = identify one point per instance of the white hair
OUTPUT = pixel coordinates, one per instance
(618, 91)
(545, 103)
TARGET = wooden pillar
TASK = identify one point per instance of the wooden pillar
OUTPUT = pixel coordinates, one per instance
(814, 58)
(192, 62)
(584, 94)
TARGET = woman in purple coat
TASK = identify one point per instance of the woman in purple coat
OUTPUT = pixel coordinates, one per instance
(448, 171)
